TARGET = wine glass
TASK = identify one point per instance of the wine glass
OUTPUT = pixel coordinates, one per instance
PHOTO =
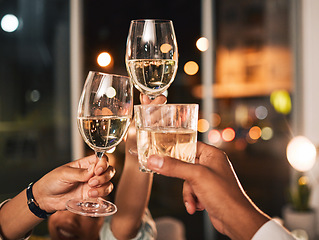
(104, 115)
(151, 55)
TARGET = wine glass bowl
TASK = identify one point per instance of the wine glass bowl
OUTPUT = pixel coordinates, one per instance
(104, 115)
(105, 110)
(151, 55)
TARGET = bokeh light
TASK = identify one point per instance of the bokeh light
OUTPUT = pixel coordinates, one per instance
(9, 23)
(35, 95)
(165, 48)
(216, 119)
(261, 112)
(281, 101)
(214, 136)
(110, 92)
(303, 180)
(241, 115)
(104, 59)
(267, 133)
(250, 140)
(203, 125)
(202, 44)
(228, 134)
(191, 68)
(255, 132)
(301, 153)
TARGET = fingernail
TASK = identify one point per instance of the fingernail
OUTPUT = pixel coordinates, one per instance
(188, 209)
(99, 171)
(93, 193)
(186, 205)
(93, 182)
(156, 161)
(144, 99)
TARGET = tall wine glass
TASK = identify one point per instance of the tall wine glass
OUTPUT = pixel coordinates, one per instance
(151, 55)
(104, 115)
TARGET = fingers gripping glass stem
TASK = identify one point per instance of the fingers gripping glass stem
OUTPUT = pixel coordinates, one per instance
(104, 115)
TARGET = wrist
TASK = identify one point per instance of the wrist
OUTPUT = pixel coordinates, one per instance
(35, 202)
(246, 222)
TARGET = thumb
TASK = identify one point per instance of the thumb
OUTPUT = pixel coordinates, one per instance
(171, 167)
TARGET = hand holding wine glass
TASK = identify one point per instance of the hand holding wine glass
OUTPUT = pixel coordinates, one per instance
(151, 55)
(104, 115)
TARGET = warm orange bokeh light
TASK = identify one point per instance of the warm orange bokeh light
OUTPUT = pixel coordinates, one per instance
(203, 125)
(165, 48)
(255, 132)
(191, 68)
(228, 134)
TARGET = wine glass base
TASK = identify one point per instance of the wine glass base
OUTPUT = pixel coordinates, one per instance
(91, 207)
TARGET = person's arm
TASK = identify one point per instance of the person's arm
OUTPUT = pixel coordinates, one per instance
(134, 188)
(73, 180)
(132, 197)
(212, 184)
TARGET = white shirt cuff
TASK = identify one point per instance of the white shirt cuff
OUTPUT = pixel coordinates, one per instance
(272, 230)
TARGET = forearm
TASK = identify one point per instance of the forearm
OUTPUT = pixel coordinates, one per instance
(132, 197)
(16, 219)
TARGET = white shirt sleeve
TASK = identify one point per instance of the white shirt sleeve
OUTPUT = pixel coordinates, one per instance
(272, 230)
(147, 230)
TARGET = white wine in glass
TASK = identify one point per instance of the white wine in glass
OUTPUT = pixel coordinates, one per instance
(104, 115)
(151, 55)
(166, 130)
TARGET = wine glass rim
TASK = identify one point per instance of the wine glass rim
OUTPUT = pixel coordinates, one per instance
(151, 20)
(109, 74)
(168, 105)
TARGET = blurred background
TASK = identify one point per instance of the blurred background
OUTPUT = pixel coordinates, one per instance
(261, 89)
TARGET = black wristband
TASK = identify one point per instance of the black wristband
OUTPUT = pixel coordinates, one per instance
(34, 206)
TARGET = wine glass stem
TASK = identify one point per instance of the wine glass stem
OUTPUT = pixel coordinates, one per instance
(99, 155)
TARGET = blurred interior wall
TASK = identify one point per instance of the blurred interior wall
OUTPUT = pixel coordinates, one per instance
(307, 82)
